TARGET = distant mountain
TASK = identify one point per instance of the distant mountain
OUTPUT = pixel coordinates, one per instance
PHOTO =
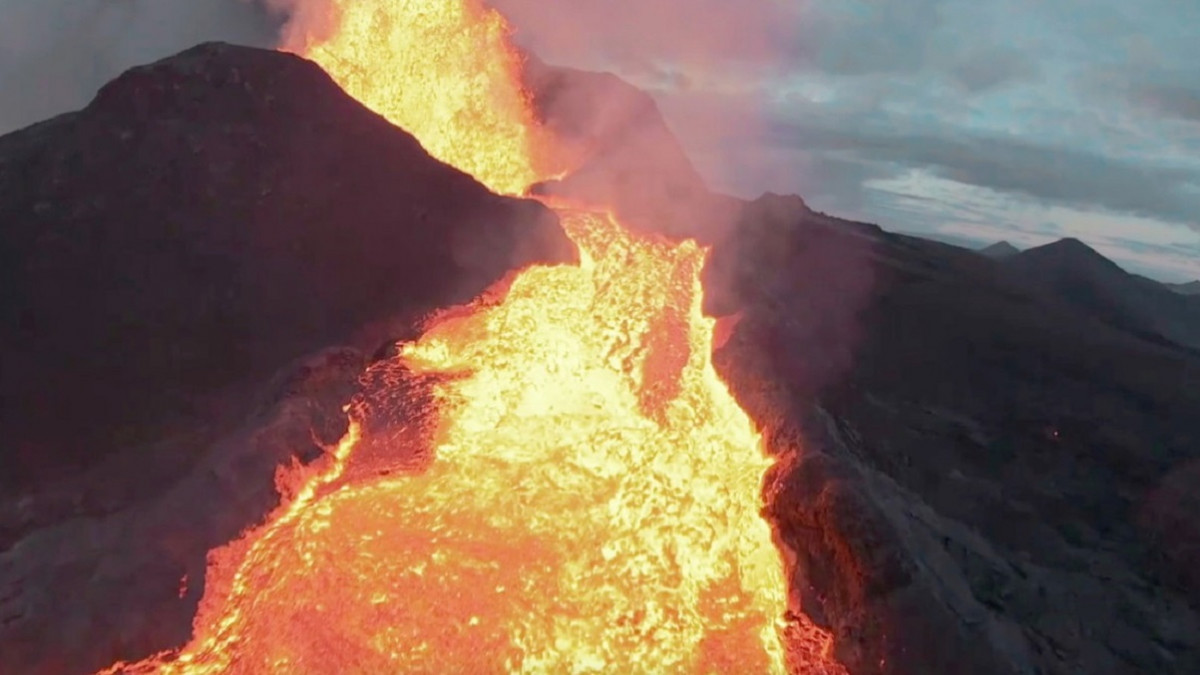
(1000, 250)
(1076, 274)
(1189, 288)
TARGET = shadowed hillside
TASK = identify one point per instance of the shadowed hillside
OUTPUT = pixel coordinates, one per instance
(1075, 274)
(202, 222)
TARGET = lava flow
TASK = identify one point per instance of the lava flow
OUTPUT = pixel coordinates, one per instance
(593, 502)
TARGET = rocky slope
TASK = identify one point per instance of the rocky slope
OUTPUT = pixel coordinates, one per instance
(202, 222)
(1078, 276)
(1189, 288)
(992, 481)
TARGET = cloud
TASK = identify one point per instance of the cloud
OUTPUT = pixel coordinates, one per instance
(972, 216)
(1173, 100)
(1056, 174)
(57, 53)
(871, 37)
(1082, 107)
(989, 68)
(702, 37)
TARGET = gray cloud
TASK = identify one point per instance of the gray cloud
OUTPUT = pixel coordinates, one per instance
(1055, 174)
(878, 37)
(989, 68)
(55, 54)
(634, 36)
(1163, 89)
(834, 183)
(1151, 248)
(1173, 100)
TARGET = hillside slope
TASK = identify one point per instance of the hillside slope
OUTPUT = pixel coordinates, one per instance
(205, 220)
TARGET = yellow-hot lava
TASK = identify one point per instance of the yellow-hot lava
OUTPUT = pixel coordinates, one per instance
(443, 70)
(593, 504)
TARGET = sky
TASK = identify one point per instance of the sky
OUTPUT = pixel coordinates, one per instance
(971, 120)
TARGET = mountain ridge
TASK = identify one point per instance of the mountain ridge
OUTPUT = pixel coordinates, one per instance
(1074, 273)
(999, 250)
(1186, 288)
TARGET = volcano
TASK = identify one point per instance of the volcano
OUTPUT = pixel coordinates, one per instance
(565, 430)
(532, 446)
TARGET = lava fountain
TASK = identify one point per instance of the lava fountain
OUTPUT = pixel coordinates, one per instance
(593, 499)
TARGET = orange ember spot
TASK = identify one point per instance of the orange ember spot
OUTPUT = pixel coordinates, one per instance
(594, 504)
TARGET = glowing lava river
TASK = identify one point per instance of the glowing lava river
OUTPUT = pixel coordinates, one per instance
(592, 498)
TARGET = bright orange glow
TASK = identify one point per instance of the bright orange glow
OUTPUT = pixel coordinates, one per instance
(594, 501)
(443, 70)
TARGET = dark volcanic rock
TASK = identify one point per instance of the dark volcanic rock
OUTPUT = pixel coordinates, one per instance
(202, 222)
(1087, 281)
(1001, 482)
(122, 579)
(1169, 519)
(804, 276)
(1189, 288)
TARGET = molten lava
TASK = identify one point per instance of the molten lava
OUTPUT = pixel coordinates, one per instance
(443, 70)
(593, 502)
